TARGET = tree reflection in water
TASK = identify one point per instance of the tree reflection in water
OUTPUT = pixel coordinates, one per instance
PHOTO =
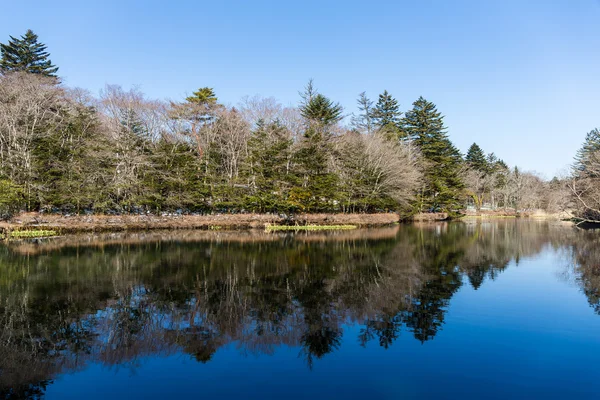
(114, 300)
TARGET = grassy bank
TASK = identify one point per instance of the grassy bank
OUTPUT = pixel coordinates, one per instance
(118, 223)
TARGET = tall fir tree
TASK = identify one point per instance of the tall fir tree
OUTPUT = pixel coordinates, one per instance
(424, 125)
(321, 111)
(589, 149)
(316, 182)
(387, 115)
(26, 54)
(476, 159)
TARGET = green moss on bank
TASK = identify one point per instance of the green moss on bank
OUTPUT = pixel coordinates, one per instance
(275, 228)
(26, 234)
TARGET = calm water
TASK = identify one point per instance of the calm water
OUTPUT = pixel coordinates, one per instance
(503, 309)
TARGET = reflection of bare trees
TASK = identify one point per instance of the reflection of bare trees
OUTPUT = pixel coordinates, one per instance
(64, 308)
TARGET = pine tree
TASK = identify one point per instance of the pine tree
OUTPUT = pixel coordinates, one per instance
(204, 96)
(319, 109)
(316, 183)
(26, 54)
(476, 159)
(269, 151)
(424, 125)
(387, 115)
(589, 150)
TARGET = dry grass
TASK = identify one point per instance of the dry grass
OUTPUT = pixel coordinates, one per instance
(117, 223)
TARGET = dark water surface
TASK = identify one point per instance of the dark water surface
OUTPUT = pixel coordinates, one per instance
(504, 309)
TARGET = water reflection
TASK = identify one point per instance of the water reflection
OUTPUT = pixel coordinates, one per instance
(114, 300)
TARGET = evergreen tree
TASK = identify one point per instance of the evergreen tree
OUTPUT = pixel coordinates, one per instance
(269, 151)
(205, 96)
(322, 111)
(424, 125)
(476, 158)
(318, 110)
(590, 147)
(316, 185)
(387, 115)
(364, 121)
(26, 54)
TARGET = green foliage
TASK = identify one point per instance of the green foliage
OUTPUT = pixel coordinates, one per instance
(203, 95)
(276, 228)
(476, 159)
(424, 125)
(322, 111)
(317, 109)
(267, 168)
(28, 234)
(589, 149)
(26, 54)
(11, 197)
(316, 185)
(387, 115)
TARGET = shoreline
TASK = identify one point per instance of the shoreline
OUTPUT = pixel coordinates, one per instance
(119, 223)
(100, 223)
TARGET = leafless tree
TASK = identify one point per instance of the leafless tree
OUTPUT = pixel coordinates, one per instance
(31, 107)
(132, 124)
(383, 167)
(478, 184)
(585, 188)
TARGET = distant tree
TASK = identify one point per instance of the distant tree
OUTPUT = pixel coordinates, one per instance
(268, 164)
(588, 151)
(26, 54)
(387, 114)
(376, 174)
(317, 109)
(316, 184)
(364, 121)
(476, 159)
(585, 183)
(424, 125)
(204, 96)
(197, 111)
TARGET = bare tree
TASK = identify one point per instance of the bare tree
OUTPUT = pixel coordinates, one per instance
(478, 184)
(132, 124)
(31, 107)
(585, 188)
(374, 166)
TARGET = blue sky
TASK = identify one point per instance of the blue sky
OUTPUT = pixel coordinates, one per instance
(520, 78)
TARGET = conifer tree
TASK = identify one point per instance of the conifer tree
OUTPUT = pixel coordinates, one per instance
(585, 154)
(321, 110)
(269, 151)
(387, 114)
(364, 121)
(424, 125)
(315, 180)
(476, 159)
(26, 54)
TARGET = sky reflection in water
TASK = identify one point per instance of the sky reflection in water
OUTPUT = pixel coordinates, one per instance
(484, 309)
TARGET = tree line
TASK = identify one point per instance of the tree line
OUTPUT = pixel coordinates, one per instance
(63, 149)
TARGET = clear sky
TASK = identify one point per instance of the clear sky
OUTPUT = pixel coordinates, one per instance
(519, 77)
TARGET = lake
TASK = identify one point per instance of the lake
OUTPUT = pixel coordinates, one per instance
(483, 309)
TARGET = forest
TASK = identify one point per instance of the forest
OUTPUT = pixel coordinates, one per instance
(63, 149)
